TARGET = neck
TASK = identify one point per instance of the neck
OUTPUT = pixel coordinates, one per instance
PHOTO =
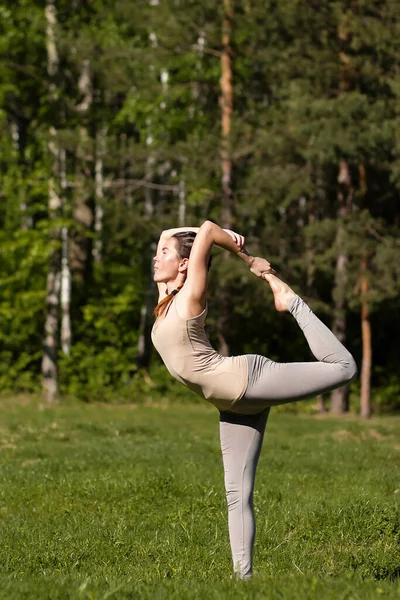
(173, 286)
(174, 291)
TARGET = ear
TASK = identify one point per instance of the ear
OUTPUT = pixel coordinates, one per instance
(183, 265)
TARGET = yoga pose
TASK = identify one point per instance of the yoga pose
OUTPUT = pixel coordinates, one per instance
(242, 388)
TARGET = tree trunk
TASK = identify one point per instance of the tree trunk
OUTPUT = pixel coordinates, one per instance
(182, 203)
(226, 109)
(366, 343)
(51, 325)
(99, 195)
(51, 46)
(366, 333)
(149, 174)
(226, 101)
(65, 270)
(196, 91)
(339, 397)
(81, 245)
(65, 294)
(49, 360)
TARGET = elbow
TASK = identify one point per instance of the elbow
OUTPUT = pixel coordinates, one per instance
(207, 227)
(207, 233)
(166, 234)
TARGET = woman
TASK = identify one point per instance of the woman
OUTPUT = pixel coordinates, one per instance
(243, 388)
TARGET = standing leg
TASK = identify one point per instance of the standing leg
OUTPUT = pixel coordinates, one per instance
(241, 441)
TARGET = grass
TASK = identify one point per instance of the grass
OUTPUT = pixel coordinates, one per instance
(101, 501)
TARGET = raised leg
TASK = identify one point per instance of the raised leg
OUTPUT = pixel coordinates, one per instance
(272, 383)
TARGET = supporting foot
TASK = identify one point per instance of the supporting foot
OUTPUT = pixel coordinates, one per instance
(283, 294)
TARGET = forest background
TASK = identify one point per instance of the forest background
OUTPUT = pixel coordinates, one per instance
(120, 119)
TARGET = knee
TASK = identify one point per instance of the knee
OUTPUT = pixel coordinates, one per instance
(349, 368)
(233, 495)
(233, 498)
(237, 495)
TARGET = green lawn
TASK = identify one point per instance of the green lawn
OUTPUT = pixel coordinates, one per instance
(101, 501)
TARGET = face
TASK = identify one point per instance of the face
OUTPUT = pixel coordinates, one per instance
(167, 263)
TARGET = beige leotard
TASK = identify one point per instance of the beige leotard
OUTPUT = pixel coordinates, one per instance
(189, 357)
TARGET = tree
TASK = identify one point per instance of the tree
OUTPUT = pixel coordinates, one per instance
(51, 327)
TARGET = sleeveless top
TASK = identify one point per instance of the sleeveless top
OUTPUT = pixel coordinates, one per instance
(188, 355)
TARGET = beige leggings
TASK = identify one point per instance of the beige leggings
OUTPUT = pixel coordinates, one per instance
(242, 428)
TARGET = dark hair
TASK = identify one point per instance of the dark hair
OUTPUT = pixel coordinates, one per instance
(183, 243)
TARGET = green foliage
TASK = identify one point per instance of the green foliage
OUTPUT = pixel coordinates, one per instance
(139, 87)
(386, 397)
(23, 268)
(102, 360)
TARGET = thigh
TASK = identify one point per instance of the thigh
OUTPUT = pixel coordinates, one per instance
(279, 383)
(241, 442)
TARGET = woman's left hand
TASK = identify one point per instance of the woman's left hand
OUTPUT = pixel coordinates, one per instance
(259, 266)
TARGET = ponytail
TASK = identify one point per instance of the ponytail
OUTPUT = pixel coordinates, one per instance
(162, 305)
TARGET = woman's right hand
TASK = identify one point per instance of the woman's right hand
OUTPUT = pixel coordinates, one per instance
(259, 266)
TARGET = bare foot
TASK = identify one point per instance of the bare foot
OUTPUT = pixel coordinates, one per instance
(283, 294)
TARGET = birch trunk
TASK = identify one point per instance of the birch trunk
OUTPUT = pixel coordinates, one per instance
(65, 294)
(49, 360)
(226, 101)
(65, 270)
(201, 42)
(182, 203)
(99, 194)
(51, 324)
